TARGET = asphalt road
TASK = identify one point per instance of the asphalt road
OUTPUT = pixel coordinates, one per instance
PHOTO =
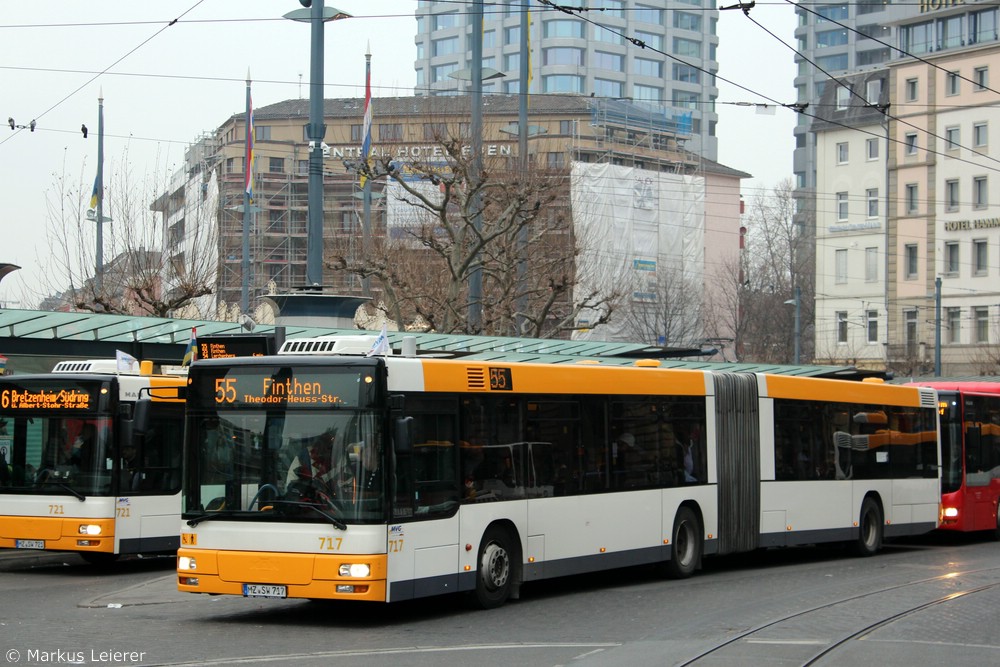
(925, 602)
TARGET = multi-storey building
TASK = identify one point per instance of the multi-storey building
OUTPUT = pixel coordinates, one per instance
(942, 231)
(565, 130)
(590, 53)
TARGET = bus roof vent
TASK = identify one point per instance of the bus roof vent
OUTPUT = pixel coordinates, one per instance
(476, 377)
(358, 345)
(928, 398)
(88, 366)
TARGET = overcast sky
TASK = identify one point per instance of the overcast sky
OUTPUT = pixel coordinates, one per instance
(165, 85)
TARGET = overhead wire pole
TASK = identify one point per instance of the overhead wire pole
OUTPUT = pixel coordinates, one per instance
(247, 199)
(475, 323)
(99, 191)
(366, 188)
(317, 130)
(521, 303)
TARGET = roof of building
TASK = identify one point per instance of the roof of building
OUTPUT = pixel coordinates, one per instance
(126, 330)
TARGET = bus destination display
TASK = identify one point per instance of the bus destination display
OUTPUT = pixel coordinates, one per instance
(46, 398)
(226, 347)
(269, 388)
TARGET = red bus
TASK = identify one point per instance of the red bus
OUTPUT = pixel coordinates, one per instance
(970, 454)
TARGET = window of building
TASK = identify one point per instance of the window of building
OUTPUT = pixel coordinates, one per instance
(910, 331)
(871, 196)
(609, 7)
(390, 131)
(871, 265)
(911, 90)
(687, 47)
(981, 75)
(912, 202)
(356, 133)
(687, 21)
(872, 57)
(980, 257)
(608, 35)
(910, 265)
(651, 40)
(608, 88)
(435, 131)
(871, 325)
(489, 39)
(910, 142)
(833, 63)
(982, 317)
(442, 72)
(563, 28)
(841, 316)
(276, 165)
(648, 14)
(951, 257)
(953, 316)
(917, 38)
(302, 167)
(950, 29)
(442, 21)
(555, 160)
(951, 195)
(843, 97)
(829, 38)
(841, 206)
(647, 93)
(952, 137)
(646, 67)
(445, 47)
(840, 266)
(842, 152)
(952, 85)
(562, 55)
(609, 61)
(686, 73)
(983, 26)
(979, 135)
(262, 132)
(980, 192)
(828, 13)
(871, 149)
(873, 91)
(566, 127)
(562, 83)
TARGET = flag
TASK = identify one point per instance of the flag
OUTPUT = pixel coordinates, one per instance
(97, 194)
(381, 345)
(126, 362)
(248, 160)
(366, 128)
(191, 353)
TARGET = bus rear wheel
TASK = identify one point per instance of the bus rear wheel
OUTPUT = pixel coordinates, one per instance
(870, 527)
(495, 571)
(685, 545)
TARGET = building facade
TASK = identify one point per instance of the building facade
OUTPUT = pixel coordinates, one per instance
(566, 129)
(941, 227)
(590, 53)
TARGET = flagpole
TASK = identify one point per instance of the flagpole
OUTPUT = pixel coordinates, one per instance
(366, 223)
(247, 196)
(99, 255)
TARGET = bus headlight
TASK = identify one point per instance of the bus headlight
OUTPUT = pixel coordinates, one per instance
(186, 563)
(89, 529)
(355, 570)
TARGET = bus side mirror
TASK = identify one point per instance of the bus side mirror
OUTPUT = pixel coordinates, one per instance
(140, 419)
(403, 437)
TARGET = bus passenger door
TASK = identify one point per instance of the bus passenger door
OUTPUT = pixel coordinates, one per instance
(422, 538)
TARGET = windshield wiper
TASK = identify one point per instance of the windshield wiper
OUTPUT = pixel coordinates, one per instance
(332, 519)
(210, 516)
(66, 487)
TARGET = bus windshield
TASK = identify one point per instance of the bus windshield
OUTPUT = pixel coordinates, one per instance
(294, 465)
(55, 454)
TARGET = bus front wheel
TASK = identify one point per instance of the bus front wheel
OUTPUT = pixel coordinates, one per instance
(869, 529)
(685, 545)
(495, 571)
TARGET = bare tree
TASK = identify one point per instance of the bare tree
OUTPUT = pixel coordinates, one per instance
(777, 258)
(445, 222)
(666, 305)
(146, 269)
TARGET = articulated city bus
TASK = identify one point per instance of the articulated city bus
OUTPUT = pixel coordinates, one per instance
(324, 475)
(970, 455)
(74, 473)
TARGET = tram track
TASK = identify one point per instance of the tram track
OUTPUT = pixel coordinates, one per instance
(795, 634)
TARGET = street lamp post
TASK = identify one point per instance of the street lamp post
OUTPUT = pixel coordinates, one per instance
(316, 14)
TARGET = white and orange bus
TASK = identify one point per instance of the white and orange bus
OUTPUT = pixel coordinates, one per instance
(68, 479)
(449, 475)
